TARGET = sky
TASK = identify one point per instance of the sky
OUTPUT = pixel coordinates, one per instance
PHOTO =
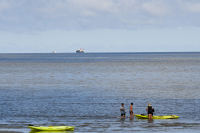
(43, 26)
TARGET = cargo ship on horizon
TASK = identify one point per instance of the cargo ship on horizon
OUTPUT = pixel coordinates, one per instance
(80, 51)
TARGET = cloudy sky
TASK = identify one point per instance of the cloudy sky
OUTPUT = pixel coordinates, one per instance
(43, 26)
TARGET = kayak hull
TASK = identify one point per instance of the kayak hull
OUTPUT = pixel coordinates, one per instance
(53, 128)
(141, 116)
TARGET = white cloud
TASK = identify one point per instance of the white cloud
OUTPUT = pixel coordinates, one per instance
(40, 15)
(88, 13)
(156, 8)
(4, 5)
(193, 7)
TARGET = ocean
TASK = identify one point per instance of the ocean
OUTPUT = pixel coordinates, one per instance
(86, 91)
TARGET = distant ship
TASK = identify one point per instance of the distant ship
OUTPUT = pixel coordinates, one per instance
(53, 51)
(80, 51)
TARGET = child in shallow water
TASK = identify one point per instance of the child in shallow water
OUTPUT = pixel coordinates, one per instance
(131, 111)
(123, 113)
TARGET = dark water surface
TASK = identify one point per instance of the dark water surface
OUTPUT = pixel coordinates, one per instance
(86, 90)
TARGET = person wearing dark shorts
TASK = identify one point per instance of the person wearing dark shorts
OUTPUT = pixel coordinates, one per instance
(150, 111)
(123, 113)
(131, 111)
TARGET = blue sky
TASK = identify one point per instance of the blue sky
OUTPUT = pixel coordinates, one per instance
(43, 26)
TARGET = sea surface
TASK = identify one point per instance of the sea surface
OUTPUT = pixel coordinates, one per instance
(86, 91)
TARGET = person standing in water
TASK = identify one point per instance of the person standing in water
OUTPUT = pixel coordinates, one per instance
(150, 111)
(123, 113)
(131, 111)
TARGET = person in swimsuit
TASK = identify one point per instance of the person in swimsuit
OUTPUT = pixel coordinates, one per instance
(131, 111)
(123, 113)
(150, 111)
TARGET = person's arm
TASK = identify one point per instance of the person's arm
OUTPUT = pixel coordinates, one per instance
(147, 109)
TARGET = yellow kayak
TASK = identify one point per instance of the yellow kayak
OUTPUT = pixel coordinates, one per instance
(51, 128)
(157, 117)
(38, 131)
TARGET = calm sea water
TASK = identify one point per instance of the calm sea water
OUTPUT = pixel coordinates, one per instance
(86, 90)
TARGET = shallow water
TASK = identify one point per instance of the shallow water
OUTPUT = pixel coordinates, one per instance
(86, 90)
